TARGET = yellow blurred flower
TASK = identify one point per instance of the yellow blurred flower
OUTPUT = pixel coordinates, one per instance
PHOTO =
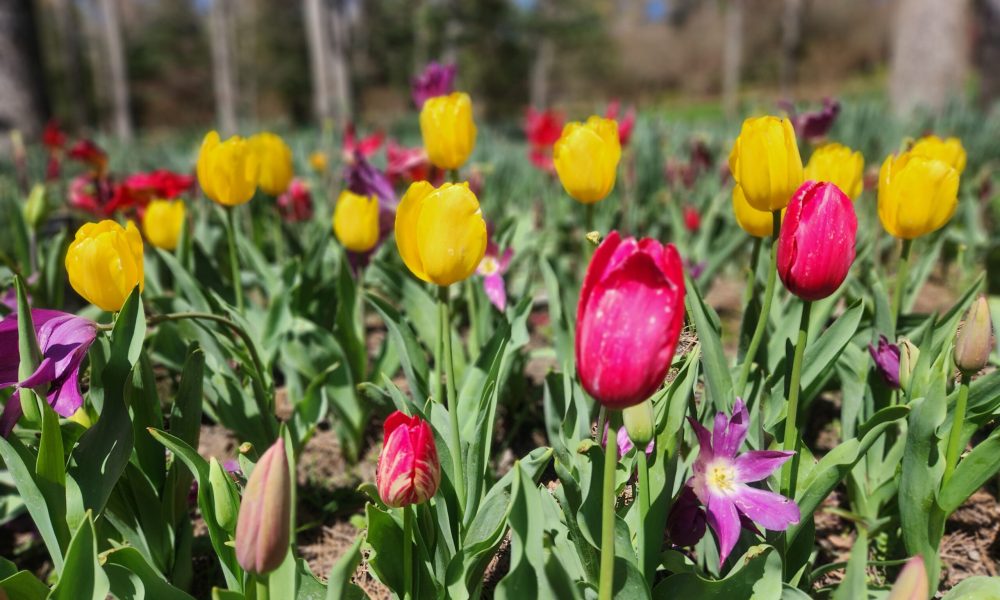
(448, 130)
(318, 161)
(440, 232)
(586, 158)
(355, 221)
(104, 263)
(765, 162)
(948, 150)
(916, 194)
(274, 159)
(758, 223)
(839, 165)
(227, 171)
(163, 222)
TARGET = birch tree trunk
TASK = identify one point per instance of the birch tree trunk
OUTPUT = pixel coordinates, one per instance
(22, 92)
(340, 71)
(732, 55)
(314, 15)
(118, 78)
(987, 51)
(224, 74)
(791, 37)
(71, 64)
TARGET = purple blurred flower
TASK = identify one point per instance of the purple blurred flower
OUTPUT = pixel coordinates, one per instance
(63, 340)
(720, 480)
(694, 269)
(367, 180)
(436, 80)
(492, 269)
(625, 444)
(886, 357)
(9, 299)
(814, 125)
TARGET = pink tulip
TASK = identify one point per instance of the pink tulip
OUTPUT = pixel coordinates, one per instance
(263, 528)
(628, 320)
(408, 468)
(816, 244)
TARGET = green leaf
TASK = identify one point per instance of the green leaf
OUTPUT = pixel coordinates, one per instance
(854, 583)
(972, 472)
(82, 576)
(975, 588)
(411, 356)
(185, 425)
(23, 585)
(339, 581)
(740, 583)
(718, 379)
(132, 578)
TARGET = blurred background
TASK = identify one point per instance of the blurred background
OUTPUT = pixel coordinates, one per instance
(125, 67)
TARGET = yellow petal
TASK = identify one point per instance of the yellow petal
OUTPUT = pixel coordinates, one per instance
(451, 234)
(407, 214)
(355, 221)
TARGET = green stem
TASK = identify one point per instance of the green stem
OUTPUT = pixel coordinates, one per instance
(606, 588)
(789, 472)
(262, 589)
(449, 365)
(751, 291)
(902, 271)
(765, 309)
(602, 420)
(277, 232)
(234, 261)
(643, 509)
(588, 218)
(473, 306)
(407, 553)
(955, 436)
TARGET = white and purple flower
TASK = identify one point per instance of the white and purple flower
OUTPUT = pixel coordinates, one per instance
(492, 269)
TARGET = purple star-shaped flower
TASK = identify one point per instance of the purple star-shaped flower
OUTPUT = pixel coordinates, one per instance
(63, 340)
(491, 269)
(436, 80)
(886, 357)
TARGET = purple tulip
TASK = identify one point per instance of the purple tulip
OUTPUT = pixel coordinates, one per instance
(814, 125)
(492, 269)
(886, 357)
(436, 80)
(63, 340)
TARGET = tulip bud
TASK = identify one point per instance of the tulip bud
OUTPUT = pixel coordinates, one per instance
(974, 341)
(639, 422)
(448, 130)
(911, 584)
(227, 171)
(440, 233)
(105, 263)
(586, 158)
(686, 521)
(816, 243)
(758, 223)
(839, 165)
(36, 207)
(263, 531)
(909, 354)
(355, 221)
(916, 194)
(886, 357)
(408, 469)
(628, 319)
(274, 158)
(765, 162)
(163, 223)
(223, 495)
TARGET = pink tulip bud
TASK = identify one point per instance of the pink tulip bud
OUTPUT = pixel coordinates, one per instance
(912, 582)
(816, 244)
(263, 530)
(628, 320)
(408, 468)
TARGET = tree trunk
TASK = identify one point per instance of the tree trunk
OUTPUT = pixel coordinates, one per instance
(791, 38)
(340, 70)
(71, 64)
(319, 57)
(987, 51)
(118, 78)
(22, 91)
(541, 69)
(224, 75)
(421, 36)
(732, 55)
(928, 54)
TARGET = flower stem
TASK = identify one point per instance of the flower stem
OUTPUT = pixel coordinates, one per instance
(470, 301)
(608, 519)
(449, 365)
(234, 261)
(955, 435)
(263, 592)
(643, 508)
(407, 553)
(902, 272)
(789, 472)
(765, 309)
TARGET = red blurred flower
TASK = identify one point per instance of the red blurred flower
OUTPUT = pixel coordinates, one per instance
(89, 153)
(406, 164)
(542, 128)
(89, 194)
(296, 205)
(628, 319)
(816, 243)
(408, 469)
(625, 124)
(366, 146)
(53, 137)
(692, 219)
(160, 183)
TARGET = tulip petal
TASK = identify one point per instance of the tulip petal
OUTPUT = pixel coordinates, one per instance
(407, 235)
(772, 511)
(496, 291)
(725, 522)
(756, 465)
(729, 433)
(451, 234)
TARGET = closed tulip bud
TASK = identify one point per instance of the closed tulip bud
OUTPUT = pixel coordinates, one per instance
(916, 194)
(274, 158)
(227, 171)
(639, 423)
(887, 358)
(223, 495)
(758, 223)
(356, 221)
(586, 158)
(36, 207)
(974, 341)
(163, 223)
(448, 130)
(948, 150)
(408, 468)
(263, 530)
(816, 243)
(628, 319)
(838, 165)
(104, 263)
(909, 354)
(911, 584)
(440, 233)
(765, 162)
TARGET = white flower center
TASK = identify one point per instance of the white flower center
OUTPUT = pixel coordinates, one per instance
(489, 265)
(720, 476)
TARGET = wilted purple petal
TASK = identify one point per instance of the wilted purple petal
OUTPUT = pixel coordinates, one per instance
(759, 464)
(772, 511)
(11, 414)
(728, 434)
(725, 522)
(886, 357)
(686, 521)
(436, 80)
(496, 291)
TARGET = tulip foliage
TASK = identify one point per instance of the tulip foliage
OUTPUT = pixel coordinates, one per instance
(521, 353)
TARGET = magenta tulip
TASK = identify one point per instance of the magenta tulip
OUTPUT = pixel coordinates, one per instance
(408, 468)
(816, 244)
(628, 320)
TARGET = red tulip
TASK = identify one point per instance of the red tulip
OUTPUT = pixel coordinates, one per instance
(692, 219)
(628, 320)
(816, 244)
(626, 122)
(408, 468)
(296, 204)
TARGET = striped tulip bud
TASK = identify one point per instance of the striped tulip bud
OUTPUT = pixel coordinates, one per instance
(263, 531)
(408, 468)
(974, 341)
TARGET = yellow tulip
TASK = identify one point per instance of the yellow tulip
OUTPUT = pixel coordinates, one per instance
(758, 223)
(355, 221)
(765, 162)
(275, 162)
(586, 158)
(448, 130)
(227, 171)
(163, 223)
(948, 150)
(839, 165)
(916, 194)
(318, 161)
(104, 263)
(440, 232)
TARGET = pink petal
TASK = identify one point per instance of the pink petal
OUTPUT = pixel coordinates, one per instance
(770, 510)
(725, 522)
(704, 436)
(759, 464)
(728, 435)
(496, 291)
